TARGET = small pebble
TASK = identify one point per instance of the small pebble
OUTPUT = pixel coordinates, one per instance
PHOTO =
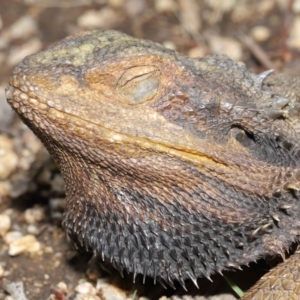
(15, 289)
(5, 224)
(1, 271)
(91, 297)
(27, 243)
(48, 250)
(62, 286)
(164, 6)
(135, 7)
(5, 189)
(189, 16)
(260, 33)
(24, 28)
(294, 34)
(34, 215)
(17, 53)
(8, 158)
(198, 51)
(169, 45)
(296, 6)
(57, 203)
(57, 183)
(3, 44)
(226, 45)
(110, 291)
(115, 3)
(12, 236)
(103, 18)
(221, 5)
(33, 229)
(6, 113)
(85, 288)
(241, 13)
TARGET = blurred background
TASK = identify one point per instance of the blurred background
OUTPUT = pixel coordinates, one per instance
(265, 34)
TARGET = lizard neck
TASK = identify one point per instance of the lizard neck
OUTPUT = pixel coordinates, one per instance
(169, 224)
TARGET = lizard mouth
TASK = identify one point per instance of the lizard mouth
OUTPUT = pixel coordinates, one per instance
(159, 137)
(88, 124)
(222, 164)
(86, 129)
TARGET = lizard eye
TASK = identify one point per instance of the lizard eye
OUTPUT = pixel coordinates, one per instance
(139, 84)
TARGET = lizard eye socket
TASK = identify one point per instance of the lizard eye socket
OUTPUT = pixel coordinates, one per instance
(139, 84)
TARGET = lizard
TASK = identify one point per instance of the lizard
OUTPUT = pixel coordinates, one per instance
(175, 167)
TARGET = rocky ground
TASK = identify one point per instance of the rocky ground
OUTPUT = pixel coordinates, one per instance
(36, 260)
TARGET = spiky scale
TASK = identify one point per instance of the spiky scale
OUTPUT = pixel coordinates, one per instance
(179, 267)
(284, 207)
(193, 278)
(134, 270)
(145, 270)
(276, 217)
(181, 281)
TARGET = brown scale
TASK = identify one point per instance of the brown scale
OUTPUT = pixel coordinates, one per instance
(175, 168)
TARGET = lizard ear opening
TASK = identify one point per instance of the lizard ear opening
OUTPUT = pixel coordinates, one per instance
(139, 84)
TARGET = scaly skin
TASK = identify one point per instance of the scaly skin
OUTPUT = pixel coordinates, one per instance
(175, 167)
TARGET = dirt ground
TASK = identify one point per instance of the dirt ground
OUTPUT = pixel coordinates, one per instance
(36, 260)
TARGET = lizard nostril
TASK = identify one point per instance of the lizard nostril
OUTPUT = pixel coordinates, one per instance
(284, 143)
(287, 145)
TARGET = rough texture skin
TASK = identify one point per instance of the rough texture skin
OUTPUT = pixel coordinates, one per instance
(175, 167)
(282, 282)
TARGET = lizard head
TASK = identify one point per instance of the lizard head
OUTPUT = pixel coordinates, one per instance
(174, 167)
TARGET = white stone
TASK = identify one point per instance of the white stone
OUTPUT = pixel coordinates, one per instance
(5, 224)
(15, 289)
(34, 215)
(33, 229)
(294, 38)
(221, 5)
(135, 7)
(19, 52)
(12, 236)
(1, 271)
(189, 16)
(163, 6)
(109, 291)
(85, 288)
(89, 297)
(8, 158)
(169, 45)
(27, 243)
(260, 33)
(62, 286)
(23, 28)
(226, 45)
(198, 51)
(296, 6)
(116, 3)
(5, 188)
(97, 18)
